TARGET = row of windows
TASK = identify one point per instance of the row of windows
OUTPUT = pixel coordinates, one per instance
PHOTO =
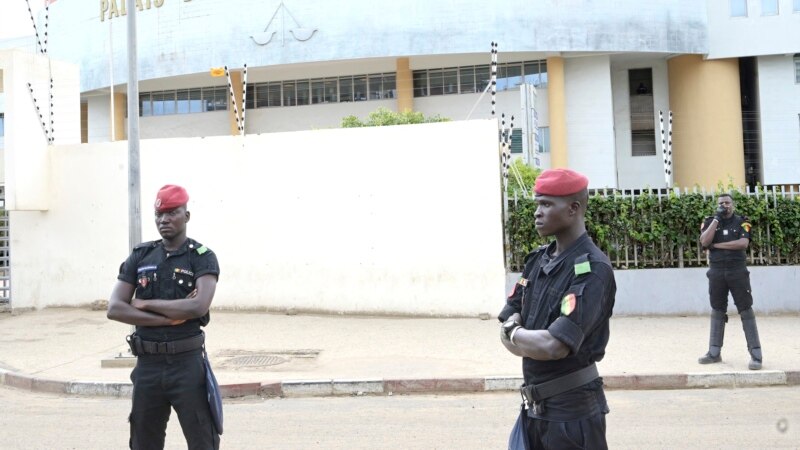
(768, 7)
(471, 79)
(277, 93)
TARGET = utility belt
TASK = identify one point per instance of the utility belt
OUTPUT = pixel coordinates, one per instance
(141, 347)
(533, 396)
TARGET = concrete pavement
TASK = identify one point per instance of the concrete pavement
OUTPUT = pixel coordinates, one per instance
(60, 350)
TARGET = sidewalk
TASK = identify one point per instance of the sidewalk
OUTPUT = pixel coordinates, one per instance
(60, 350)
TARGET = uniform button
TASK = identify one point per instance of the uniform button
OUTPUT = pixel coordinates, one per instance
(191, 245)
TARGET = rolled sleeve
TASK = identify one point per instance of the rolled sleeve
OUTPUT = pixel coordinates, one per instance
(567, 332)
(593, 303)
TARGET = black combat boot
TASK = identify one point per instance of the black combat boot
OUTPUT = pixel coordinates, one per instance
(716, 336)
(751, 335)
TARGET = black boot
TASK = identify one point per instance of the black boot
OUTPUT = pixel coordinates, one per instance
(751, 335)
(716, 336)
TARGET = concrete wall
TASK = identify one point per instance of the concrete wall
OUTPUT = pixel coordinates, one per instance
(780, 119)
(182, 37)
(590, 119)
(25, 143)
(640, 171)
(753, 35)
(359, 224)
(685, 291)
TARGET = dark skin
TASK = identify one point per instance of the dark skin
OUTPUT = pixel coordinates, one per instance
(563, 218)
(708, 234)
(123, 307)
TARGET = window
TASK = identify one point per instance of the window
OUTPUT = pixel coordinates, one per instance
(543, 139)
(145, 106)
(796, 6)
(420, 83)
(509, 76)
(516, 140)
(215, 98)
(643, 133)
(797, 68)
(196, 103)
(769, 7)
(182, 101)
(2, 124)
(273, 94)
(467, 80)
(360, 88)
(289, 98)
(250, 102)
(303, 92)
(346, 89)
(389, 85)
(738, 8)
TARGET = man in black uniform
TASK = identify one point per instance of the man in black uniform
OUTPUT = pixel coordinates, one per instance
(726, 236)
(556, 319)
(165, 288)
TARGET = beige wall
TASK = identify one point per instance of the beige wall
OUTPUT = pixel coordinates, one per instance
(707, 121)
(358, 224)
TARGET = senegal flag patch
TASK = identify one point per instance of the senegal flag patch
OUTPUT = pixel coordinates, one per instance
(568, 304)
(747, 226)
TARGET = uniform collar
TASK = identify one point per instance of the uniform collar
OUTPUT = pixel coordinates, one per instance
(553, 264)
(187, 245)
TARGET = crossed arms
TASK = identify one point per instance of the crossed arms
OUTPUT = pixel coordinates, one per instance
(123, 307)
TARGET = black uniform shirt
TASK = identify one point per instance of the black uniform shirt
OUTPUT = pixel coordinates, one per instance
(158, 274)
(571, 296)
(730, 229)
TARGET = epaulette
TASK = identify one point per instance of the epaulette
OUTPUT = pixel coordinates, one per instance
(533, 254)
(145, 244)
(582, 264)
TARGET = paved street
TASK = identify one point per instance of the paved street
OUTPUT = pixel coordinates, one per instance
(700, 419)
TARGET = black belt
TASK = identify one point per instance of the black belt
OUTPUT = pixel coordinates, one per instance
(534, 394)
(142, 347)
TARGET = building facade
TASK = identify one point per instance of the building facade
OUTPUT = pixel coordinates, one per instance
(728, 70)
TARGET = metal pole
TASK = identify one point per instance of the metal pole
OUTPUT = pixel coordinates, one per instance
(134, 187)
(111, 77)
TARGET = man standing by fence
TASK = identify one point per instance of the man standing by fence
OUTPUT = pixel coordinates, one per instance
(727, 236)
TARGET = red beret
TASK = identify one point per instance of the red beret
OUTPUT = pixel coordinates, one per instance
(170, 197)
(560, 182)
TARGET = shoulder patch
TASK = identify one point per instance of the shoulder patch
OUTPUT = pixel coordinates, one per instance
(582, 264)
(746, 226)
(202, 249)
(568, 304)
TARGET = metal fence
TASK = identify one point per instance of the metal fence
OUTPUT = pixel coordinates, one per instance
(5, 268)
(774, 209)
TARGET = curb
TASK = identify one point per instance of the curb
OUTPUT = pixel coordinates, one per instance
(370, 386)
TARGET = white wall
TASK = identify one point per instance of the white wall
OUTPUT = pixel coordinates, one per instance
(590, 119)
(358, 224)
(640, 171)
(753, 35)
(780, 119)
(25, 143)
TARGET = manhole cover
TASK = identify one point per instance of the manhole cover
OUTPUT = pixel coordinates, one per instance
(255, 361)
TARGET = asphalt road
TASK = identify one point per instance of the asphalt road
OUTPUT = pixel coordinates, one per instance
(701, 419)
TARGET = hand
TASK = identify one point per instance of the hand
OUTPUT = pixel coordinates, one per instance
(508, 326)
(720, 213)
(174, 322)
(192, 294)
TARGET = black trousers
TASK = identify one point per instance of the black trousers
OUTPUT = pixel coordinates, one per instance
(585, 434)
(162, 382)
(729, 278)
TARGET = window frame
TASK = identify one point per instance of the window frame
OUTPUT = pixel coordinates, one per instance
(777, 4)
(731, 10)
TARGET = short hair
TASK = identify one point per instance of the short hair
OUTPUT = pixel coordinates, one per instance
(582, 197)
(725, 194)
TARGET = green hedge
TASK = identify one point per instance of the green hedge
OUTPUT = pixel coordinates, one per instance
(649, 231)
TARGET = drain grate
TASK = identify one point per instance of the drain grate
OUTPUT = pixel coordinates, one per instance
(251, 361)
